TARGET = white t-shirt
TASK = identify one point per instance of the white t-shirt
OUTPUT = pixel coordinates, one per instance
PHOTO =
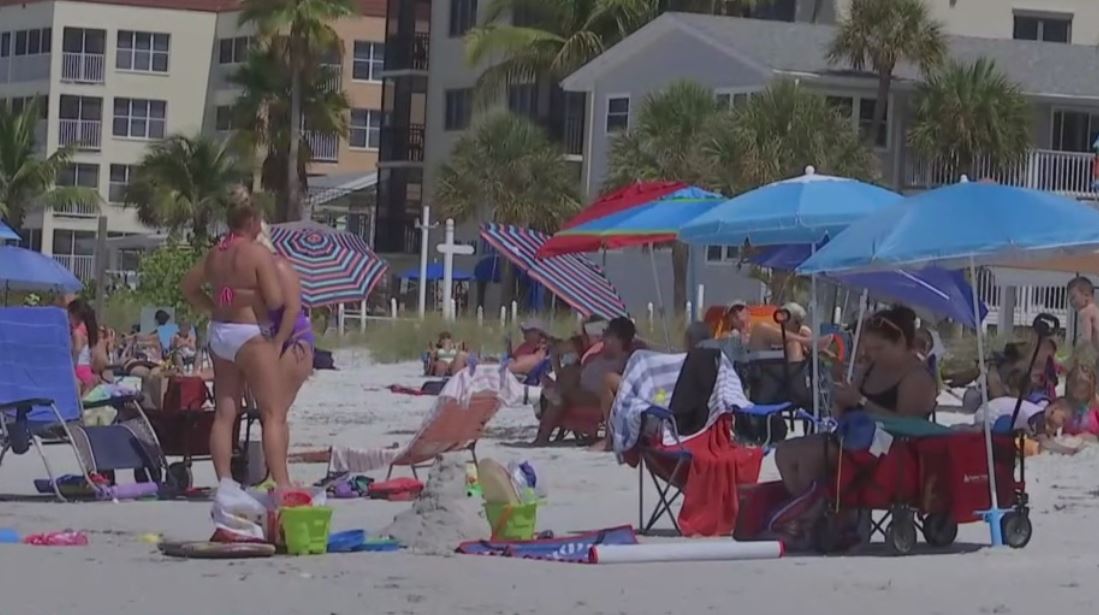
(1005, 406)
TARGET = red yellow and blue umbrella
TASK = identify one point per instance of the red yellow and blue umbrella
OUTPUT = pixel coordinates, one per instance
(335, 266)
(648, 214)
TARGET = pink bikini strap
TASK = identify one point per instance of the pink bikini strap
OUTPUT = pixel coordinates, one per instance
(228, 240)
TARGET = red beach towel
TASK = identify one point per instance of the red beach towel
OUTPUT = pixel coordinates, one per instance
(718, 466)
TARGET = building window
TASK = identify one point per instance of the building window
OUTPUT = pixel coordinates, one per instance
(731, 99)
(459, 109)
(1043, 28)
(860, 110)
(138, 118)
(223, 118)
(20, 103)
(463, 16)
(79, 174)
(26, 42)
(523, 99)
(1074, 131)
(365, 128)
(233, 50)
(618, 113)
(119, 181)
(73, 243)
(81, 40)
(722, 254)
(83, 108)
(142, 51)
(369, 61)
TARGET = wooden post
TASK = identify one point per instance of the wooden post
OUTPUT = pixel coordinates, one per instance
(100, 267)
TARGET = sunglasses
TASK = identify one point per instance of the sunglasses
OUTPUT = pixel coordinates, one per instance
(881, 322)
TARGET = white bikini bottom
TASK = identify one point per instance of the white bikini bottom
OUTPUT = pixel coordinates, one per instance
(226, 338)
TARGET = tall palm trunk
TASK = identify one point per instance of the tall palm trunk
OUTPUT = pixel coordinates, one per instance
(293, 187)
(885, 78)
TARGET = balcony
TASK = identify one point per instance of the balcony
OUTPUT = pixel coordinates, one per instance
(82, 67)
(402, 144)
(76, 210)
(405, 52)
(334, 81)
(83, 267)
(1066, 173)
(82, 134)
(324, 146)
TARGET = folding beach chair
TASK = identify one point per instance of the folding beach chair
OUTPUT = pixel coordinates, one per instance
(40, 404)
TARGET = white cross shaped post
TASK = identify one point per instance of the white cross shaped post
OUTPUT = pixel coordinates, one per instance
(448, 249)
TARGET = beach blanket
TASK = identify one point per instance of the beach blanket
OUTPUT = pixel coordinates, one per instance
(650, 379)
(711, 499)
(575, 548)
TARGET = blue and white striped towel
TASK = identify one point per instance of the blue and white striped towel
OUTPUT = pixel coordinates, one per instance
(649, 380)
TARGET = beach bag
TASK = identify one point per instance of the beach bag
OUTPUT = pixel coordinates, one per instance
(322, 359)
(185, 393)
(238, 516)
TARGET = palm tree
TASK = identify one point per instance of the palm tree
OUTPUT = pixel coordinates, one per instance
(668, 142)
(306, 26)
(882, 33)
(506, 170)
(562, 36)
(184, 184)
(779, 132)
(263, 113)
(967, 113)
(26, 178)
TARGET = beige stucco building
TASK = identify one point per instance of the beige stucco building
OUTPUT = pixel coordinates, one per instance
(118, 75)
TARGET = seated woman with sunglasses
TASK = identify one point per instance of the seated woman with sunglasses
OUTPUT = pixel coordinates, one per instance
(894, 383)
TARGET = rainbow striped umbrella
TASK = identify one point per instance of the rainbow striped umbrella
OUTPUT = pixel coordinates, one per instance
(335, 267)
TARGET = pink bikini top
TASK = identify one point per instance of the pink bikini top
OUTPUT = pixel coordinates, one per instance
(226, 294)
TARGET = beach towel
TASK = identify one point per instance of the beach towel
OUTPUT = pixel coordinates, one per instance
(718, 466)
(575, 548)
(650, 379)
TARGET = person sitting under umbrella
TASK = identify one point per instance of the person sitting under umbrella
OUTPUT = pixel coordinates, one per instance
(527, 356)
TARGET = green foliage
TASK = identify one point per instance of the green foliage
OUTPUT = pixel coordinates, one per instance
(160, 275)
(967, 112)
(507, 170)
(27, 179)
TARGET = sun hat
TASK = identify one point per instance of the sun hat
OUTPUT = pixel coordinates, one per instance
(532, 325)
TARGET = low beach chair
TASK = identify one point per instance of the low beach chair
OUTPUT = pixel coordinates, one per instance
(40, 404)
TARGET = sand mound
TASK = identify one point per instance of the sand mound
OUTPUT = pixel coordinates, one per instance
(443, 516)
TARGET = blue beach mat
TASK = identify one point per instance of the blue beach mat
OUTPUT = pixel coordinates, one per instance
(575, 548)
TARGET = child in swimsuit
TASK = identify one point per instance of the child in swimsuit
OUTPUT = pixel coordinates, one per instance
(85, 336)
(1077, 412)
(443, 355)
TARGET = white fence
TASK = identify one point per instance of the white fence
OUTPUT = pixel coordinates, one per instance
(1029, 301)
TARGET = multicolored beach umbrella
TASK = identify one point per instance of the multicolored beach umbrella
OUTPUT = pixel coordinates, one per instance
(657, 221)
(573, 278)
(624, 199)
(335, 267)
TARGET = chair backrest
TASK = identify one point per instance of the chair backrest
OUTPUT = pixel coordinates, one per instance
(36, 361)
(451, 426)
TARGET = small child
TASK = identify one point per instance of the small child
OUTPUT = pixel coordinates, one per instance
(443, 356)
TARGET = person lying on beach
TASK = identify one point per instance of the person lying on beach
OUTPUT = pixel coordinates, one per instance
(1076, 413)
(1031, 418)
(446, 358)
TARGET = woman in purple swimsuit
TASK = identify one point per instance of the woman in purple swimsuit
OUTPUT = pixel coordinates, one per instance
(296, 361)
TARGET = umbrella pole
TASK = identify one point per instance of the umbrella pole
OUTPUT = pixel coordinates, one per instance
(659, 297)
(994, 515)
(858, 335)
(815, 323)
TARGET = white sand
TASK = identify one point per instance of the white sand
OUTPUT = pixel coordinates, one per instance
(120, 575)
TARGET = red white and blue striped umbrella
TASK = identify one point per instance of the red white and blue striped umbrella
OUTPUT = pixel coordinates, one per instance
(335, 267)
(572, 277)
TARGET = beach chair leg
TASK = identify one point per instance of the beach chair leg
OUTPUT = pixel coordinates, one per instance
(389, 474)
(473, 452)
(49, 469)
(4, 452)
(664, 506)
(641, 495)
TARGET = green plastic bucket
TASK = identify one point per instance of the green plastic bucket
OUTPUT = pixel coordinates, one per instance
(306, 529)
(512, 521)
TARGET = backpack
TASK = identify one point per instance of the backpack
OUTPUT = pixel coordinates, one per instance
(322, 359)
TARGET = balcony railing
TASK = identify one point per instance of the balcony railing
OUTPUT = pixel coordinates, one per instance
(402, 143)
(324, 146)
(1067, 173)
(334, 82)
(83, 134)
(82, 67)
(76, 210)
(83, 267)
(407, 52)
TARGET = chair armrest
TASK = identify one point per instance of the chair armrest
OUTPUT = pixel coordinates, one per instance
(659, 412)
(112, 401)
(765, 409)
(26, 403)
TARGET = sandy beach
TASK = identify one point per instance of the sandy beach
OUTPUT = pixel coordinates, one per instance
(120, 574)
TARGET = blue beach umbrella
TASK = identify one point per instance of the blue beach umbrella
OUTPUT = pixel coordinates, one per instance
(966, 224)
(799, 210)
(27, 270)
(7, 234)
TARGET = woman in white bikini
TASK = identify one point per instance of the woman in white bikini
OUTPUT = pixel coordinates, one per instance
(241, 353)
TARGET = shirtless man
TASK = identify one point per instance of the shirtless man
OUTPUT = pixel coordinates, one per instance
(1081, 294)
(799, 338)
(240, 352)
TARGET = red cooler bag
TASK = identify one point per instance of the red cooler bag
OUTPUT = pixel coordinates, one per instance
(186, 393)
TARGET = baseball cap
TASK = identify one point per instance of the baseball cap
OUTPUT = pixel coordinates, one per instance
(796, 311)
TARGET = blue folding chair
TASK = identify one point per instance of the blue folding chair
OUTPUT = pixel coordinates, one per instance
(40, 403)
